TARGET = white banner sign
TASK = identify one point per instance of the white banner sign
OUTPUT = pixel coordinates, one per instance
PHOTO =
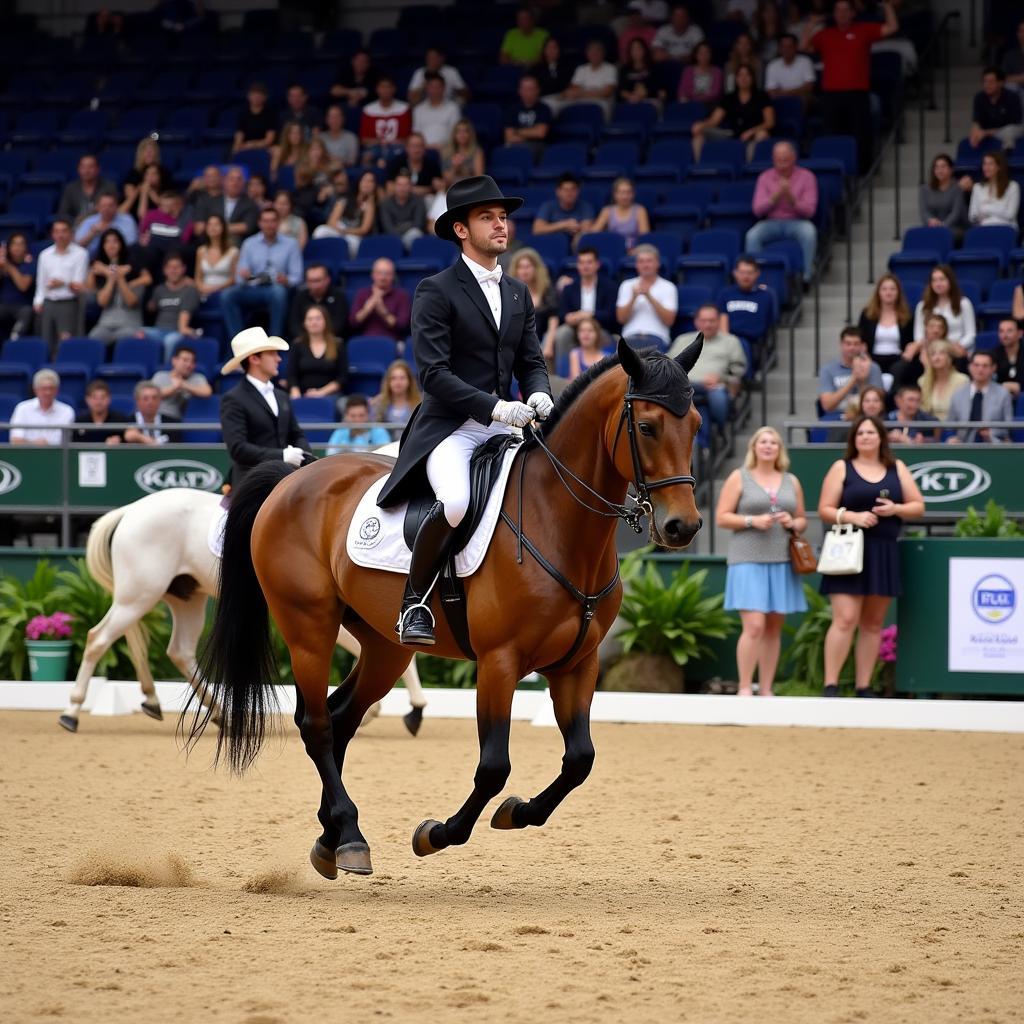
(986, 622)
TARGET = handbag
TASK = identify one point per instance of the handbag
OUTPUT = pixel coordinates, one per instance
(801, 554)
(842, 552)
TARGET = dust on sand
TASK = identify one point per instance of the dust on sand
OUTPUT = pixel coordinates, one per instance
(701, 874)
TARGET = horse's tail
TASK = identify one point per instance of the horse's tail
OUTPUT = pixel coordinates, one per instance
(237, 664)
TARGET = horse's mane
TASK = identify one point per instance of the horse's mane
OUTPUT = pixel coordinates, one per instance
(573, 391)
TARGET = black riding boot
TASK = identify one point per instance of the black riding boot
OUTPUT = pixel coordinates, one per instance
(429, 551)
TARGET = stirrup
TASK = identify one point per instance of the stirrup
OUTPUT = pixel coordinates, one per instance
(428, 637)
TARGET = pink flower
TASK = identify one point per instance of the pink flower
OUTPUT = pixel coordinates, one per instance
(49, 627)
(887, 648)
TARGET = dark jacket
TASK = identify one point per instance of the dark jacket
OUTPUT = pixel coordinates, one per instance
(334, 302)
(604, 303)
(465, 365)
(251, 432)
(245, 211)
(867, 329)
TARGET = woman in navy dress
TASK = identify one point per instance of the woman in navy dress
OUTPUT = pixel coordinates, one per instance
(873, 490)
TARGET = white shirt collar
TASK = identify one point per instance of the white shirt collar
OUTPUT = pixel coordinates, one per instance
(482, 273)
(264, 387)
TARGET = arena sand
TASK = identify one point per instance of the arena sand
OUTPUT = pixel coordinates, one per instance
(702, 874)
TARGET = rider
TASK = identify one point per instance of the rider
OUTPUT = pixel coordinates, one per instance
(473, 330)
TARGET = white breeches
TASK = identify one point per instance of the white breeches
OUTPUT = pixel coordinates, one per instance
(448, 466)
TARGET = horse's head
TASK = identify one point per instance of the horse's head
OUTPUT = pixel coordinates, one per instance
(661, 436)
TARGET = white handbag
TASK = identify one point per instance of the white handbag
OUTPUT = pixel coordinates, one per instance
(842, 552)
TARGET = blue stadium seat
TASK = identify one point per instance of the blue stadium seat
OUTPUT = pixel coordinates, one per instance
(937, 240)
(315, 410)
(734, 207)
(35, 127)
(186, 124)
(207, 350)
(837, 147)
(30, 351)
(488, 121)
(368, 359)
(913, 265)
(991, 238)
(558, 159)
(81, 350)
(15, 377)
(581, 122)
(253, 161)
(510, 164)
(84, 128)
(789, 116)
(999, 304)
(146, 351)
(332, 252)
(710, 259)
(677, 120)
(8, 401)
(980, 266)
(136, 123)
(669, 245)
(434, 249)
(613, 160)
(553, 249)
(691, 298)
(610, 246)
(202, 410)
(631, 121)
(775, 273)
(375, 247)
(968, 157)
(986, 341)
(34, 206)
(122, 377)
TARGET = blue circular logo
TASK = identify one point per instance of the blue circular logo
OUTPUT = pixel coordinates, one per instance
(994, 599)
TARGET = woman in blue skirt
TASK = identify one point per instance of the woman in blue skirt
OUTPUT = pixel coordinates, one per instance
(761, 502)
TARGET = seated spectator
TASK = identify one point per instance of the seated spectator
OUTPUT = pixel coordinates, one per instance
(701, 81)
(996, 199)
(148, 418)
(100, 423)
(646, 305)
(136, 196)
(355, 433)
(910, 367)
(319, 291)
(636, 29)
(636, 77)
(341, 144)
(940, 201)
(529, 268)
(383, 309)
(357, 82)
(785, 200)
(942, 296)
(870, 402)
(216, 259)
(435, 63)
(174, 302)
(435, 116)
(595, 81)
(767, 26)
(403, 213)
(982, 398)
(566, 213)
(553, 73)
(1010, 357)
(38, 420)
(791, 73)
(290, 149)
(291, 224)
(908, 410)
(318, 364)
(940, 378)
(118, 289)
(385, 125)
(79, 197)
(462, 156)
(522, 45)
(997, 111)
(625, 216)
(146, 198)
(268, 266)
(17, 284)
(589, 347)
(528, 122)
(238, 210)
(746, 114)
(678, 39)
(298, 108)
(743, 52)
(398, 396)
(98, 223)
(353, 216)
(721, 365)
(167, 228)
(314, 180)
(180, 383)
(886, 324)
(748, 307)
(421, 165)
(848, 374)
(258, 190)
(588, 295)
(258, 123)
(61, 271)
(1012, 65)
(205, 188)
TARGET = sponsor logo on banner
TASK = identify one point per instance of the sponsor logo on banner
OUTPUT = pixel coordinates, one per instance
(948, 480)
(159, 476)
(994, 599)
(984, 590)
(10, 478)
(369, 534)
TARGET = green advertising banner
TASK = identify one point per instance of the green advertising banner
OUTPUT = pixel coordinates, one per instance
(951, 477)
(30, 476)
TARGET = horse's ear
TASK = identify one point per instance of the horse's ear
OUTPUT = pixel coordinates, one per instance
(630, 361)
(690, 354)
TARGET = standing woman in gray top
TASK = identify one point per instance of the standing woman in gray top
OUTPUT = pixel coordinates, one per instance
(941, 202)
(761, 502)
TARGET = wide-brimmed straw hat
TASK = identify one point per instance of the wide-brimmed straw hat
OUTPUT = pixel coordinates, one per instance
(248, 343)
(480, 190)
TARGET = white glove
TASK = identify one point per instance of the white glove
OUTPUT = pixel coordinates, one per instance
(513, 414)
(293, 456)
(541, 404)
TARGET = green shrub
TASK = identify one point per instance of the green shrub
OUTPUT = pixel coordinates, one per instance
(995, 523)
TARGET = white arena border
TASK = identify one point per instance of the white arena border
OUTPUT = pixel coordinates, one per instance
(121, 698)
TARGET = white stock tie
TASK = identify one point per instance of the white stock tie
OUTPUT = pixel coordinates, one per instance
(267, 390)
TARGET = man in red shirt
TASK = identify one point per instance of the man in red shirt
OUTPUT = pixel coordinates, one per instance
(845, 49)
(384, 125)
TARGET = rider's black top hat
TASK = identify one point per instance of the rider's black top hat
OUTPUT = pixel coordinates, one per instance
(481, 190)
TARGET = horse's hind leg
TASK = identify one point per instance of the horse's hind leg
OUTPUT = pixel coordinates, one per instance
(188, 617)
(572, 693)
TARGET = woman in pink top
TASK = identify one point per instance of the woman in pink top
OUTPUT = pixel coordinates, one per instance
(701, 80)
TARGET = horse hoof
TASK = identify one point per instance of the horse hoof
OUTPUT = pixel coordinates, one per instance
(503, 815)
(153, 710)
(413, 720)
(355, 859)
(421, 844)
(68, 722)
(323, 860)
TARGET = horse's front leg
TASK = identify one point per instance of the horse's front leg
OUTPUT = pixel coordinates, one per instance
(572, 692)
(497, 673)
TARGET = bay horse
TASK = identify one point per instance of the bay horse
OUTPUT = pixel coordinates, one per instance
(628, 419)
(156, 549)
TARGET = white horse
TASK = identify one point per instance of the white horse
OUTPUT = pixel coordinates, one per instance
(156, 549)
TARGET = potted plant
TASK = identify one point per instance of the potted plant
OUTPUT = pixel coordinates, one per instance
(887, 659)
(666, 624)
(994, 523)
(48, 642)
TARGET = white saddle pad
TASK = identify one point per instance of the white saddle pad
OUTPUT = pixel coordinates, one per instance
(215, 533)
(376, 536)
